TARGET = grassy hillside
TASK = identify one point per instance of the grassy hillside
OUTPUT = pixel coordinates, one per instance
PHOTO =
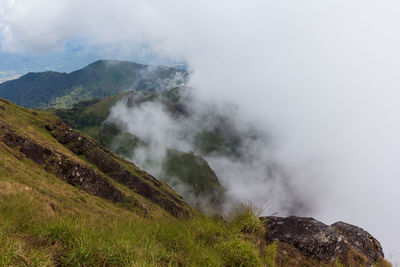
(88, 116)
(67, 201)
(82, 162)
(98, 80)
(47, 218)
(191, 170)
(195, 172)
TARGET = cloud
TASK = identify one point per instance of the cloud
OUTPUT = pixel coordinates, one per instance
(238, 151)
(322, 75)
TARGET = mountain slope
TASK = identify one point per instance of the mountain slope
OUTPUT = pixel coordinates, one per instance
(67, 201)
(80, 161)
(97, 80)
(178, 168)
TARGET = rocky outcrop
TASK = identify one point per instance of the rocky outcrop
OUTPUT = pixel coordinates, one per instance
(120, 170)
(316, 240)
(87, 179)
(28, 147)
(310, 236)
(67, 169)
(360, 240)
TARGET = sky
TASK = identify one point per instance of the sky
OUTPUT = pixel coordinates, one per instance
(321, 76)
(75, 54)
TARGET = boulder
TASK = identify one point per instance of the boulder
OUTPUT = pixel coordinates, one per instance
(341, 241)
(360, 240)
(313, 238)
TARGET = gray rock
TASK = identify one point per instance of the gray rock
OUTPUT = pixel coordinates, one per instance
(313, 238)
(360, 240)
(326, 243)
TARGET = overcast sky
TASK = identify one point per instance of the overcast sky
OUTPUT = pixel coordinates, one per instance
(323, 76)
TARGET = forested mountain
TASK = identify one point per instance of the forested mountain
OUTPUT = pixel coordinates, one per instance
(100, 79)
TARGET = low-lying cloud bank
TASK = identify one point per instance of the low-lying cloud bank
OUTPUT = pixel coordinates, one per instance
(321, 75)
(241, 153)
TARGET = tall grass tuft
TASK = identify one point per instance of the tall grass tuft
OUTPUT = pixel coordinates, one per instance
(246, 218)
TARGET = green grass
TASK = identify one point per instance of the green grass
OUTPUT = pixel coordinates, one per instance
(270, 252)
(246, 218)
(101, 240)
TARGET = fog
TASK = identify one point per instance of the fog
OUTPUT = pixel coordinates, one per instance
(241, 153)
(320, 76)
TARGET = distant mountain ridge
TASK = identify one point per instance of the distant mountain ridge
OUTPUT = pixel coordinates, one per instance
(97, 80)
